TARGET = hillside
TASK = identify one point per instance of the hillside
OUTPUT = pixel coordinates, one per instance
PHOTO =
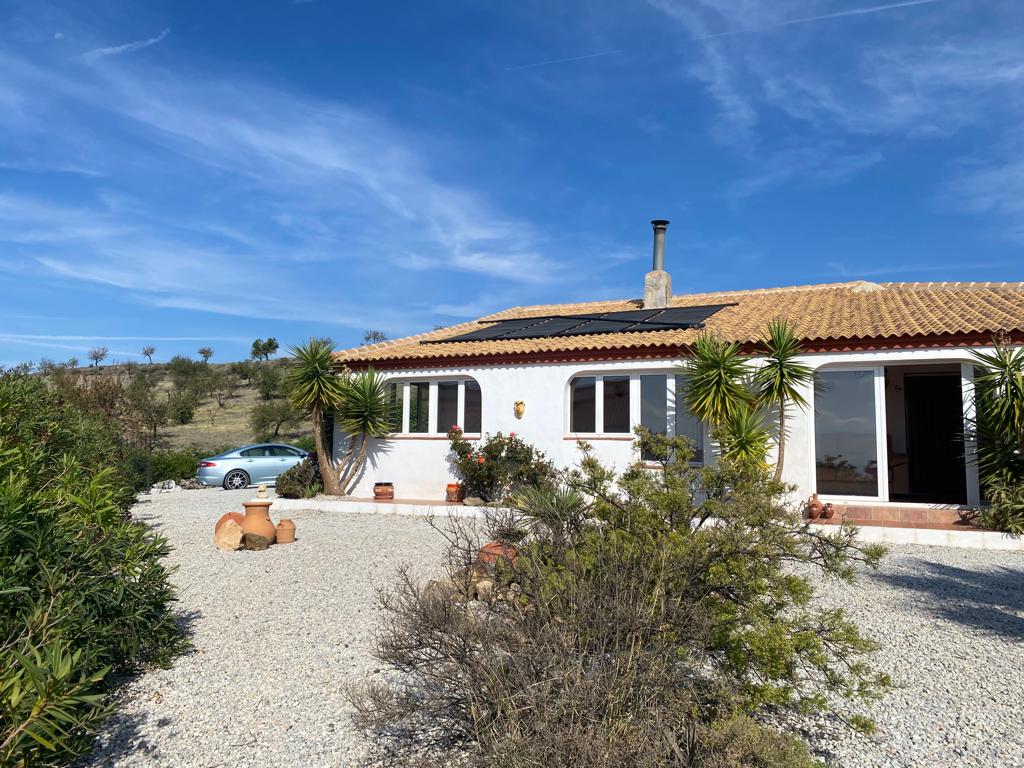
(220, 420)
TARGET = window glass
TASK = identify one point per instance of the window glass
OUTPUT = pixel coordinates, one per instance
(654, 403)
(584, 404)
(845, 440)
(472, 421)
(280, 450)
(447, 405)
(616, 404)
(687, 424)
(250, 452)
(393, 392)
(419, 406)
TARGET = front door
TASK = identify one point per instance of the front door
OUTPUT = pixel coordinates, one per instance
(935, 448)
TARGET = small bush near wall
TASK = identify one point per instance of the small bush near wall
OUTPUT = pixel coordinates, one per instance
(649, 619)
(301, 481)
(1005, 511)
(497, 464)
(84, 593)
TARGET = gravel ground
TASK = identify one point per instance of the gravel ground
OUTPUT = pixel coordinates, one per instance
(278, 634)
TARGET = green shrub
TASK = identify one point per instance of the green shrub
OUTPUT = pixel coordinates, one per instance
(177, 465)
(650, 619)
(301, 481)
(500, 464)
(1005, 510)
(84, 595)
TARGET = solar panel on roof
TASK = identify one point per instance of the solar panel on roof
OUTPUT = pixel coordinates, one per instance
(554, 326)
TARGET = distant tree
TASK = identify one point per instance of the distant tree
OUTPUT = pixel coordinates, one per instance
(206, 353)
(373, 336)
(72, 362)
(98, 355)
(263, 350)
(244, 370)
(268, 381)
(268, 419)
(224, 385)
(148, 352)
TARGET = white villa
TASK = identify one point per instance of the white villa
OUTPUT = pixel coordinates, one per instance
(882, 439)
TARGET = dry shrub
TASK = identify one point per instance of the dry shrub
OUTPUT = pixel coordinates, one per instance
(649, 620)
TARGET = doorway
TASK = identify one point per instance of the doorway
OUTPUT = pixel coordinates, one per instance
(933, 405)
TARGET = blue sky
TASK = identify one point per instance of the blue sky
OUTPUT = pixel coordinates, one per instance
(181, 173)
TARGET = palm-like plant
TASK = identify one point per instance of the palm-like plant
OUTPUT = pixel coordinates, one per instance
(716, 381)
(780, 379)
(317, 384)
(744, 437)
(999, 412)
(364, 412)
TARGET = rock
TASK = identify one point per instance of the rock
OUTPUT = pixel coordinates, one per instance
(473, 501)
(190, 484)
(261, 491)
(255, 541)
(165, 486)
(228, 536)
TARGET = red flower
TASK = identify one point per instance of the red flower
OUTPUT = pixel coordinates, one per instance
(481, 460)
(511, 434)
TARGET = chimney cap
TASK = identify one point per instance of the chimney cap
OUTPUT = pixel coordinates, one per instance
(660, 223)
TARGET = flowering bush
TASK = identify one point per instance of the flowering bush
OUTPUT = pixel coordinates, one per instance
(498, 464)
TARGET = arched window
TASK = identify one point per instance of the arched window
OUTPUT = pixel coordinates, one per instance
(433, 407)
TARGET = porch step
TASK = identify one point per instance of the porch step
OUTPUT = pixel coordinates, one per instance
(896, 514)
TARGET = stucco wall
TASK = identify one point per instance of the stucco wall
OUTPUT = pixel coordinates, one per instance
(419, 468)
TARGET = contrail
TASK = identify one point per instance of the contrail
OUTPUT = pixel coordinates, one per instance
(823, 17)
(562, 61)
(117, 50)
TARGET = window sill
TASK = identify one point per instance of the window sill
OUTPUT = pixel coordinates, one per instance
(417, 436)
(590, 438)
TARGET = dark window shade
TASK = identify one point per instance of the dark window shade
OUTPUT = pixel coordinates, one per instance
(616, 404)
(447, 405)
(474, 409)
(584, 404)
(419, 406)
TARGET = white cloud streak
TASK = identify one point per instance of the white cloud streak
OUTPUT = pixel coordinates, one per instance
(117, 50)
(821, 17)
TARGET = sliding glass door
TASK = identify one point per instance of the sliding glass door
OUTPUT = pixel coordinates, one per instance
(849, 430)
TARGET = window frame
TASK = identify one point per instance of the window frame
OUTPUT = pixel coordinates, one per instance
(434, 429)
(672, 398)
(881, 451)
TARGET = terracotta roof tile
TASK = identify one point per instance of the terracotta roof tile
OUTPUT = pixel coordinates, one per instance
(835, 311)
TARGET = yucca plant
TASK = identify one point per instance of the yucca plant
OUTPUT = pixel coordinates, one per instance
(780, 379)
(999, 413)
(716, 377)
(744, 437)
(316, 384)
(319, 385)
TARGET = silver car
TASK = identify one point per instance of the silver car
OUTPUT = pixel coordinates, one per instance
(248, 465)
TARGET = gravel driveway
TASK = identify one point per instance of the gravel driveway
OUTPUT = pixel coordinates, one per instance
(278, 633)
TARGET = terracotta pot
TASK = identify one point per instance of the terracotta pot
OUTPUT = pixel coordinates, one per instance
(828, 511)
(236, 516)
(492, 551)
(815, 507)
(453, 492)
(383, 491)
(285, 531)
(257, 519)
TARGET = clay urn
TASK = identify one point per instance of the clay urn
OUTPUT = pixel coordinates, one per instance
(285, 531)
(828, 511)
(815, 507)
(236, 516)
(453, 492)
(257, 519)
(493, 551)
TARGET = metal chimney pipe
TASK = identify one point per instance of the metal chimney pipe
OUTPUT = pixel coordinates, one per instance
(660, 225)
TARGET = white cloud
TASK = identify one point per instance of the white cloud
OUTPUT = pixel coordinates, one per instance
(117, 50)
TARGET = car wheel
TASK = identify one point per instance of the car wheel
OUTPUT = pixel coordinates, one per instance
(236, 480)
